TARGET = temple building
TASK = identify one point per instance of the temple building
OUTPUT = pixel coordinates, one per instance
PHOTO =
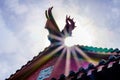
(61, 62)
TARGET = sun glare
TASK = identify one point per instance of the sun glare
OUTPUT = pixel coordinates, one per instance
(69, 41)
(83, 34)
(81, 37)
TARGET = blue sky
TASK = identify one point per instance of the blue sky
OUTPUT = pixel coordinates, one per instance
(22, 33)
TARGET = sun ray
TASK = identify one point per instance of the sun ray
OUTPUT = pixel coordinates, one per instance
(59, 59)
(85, 56)
(48, 56)
(75, 57)
(57, 43)
(67, 66)
(55, 37)
(55, 51)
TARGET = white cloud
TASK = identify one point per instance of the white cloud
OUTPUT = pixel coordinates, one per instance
(11, 51)
(16, 7)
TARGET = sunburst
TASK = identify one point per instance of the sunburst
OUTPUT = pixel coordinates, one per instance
(59, 39)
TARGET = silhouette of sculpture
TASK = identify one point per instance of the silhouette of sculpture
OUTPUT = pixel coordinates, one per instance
(51, 24)
(53, 29)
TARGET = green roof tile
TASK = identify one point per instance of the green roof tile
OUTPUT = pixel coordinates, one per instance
(96, 49)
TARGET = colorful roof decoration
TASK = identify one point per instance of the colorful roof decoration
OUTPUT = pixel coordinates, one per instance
(60, 59)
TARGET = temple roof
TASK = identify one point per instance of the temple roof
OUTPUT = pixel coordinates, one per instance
(41, 54)
(85, 48)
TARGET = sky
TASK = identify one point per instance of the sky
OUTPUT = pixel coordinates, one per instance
(23, 36)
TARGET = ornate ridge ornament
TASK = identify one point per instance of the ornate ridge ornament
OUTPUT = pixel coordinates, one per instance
(54, 33)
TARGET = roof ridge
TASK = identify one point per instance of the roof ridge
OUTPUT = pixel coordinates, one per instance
(100, 49)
